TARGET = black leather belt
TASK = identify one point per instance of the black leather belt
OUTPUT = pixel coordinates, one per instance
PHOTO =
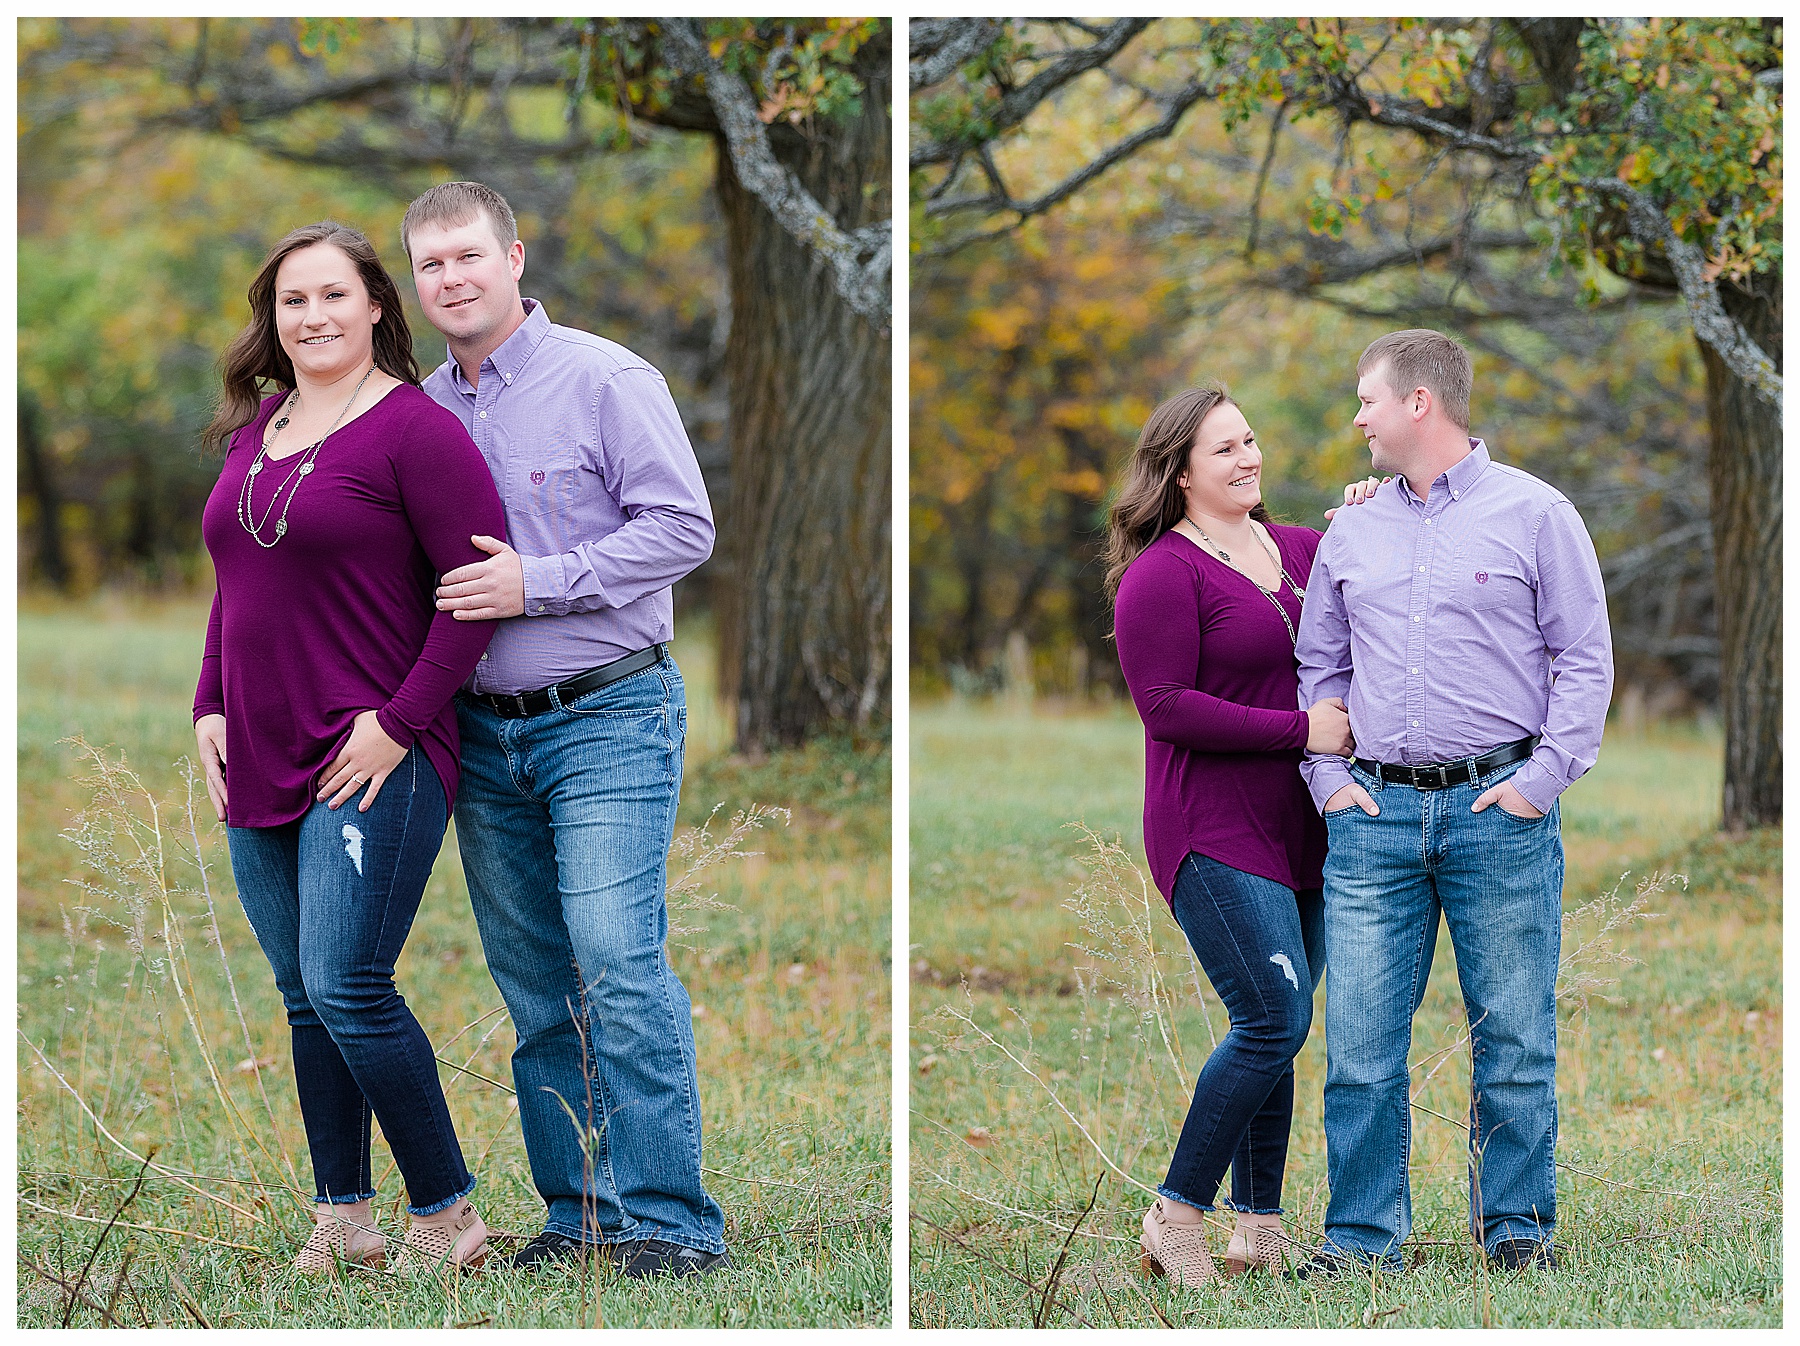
(520, 704)
(1441, 776)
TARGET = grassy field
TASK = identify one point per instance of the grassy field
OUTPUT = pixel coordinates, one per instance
(1669, 1175)
(124, 997)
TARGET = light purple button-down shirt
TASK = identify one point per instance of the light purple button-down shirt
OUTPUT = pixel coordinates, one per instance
(1455, 624)
(604, 501)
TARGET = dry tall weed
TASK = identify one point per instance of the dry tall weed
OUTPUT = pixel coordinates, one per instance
(1123, 964)
(150, 865)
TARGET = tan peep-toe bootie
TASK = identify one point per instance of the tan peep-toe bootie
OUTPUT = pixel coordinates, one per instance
(1177, 1251)
(1260, 1241)
(335, 1239)
(455, 1237)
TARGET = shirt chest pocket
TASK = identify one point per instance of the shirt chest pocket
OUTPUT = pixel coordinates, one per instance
(543, 479)
(1492, 580)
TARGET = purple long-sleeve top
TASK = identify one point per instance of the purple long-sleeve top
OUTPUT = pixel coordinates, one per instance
(1210, 666)
(338, 616)
(1457, 623)
(604, 500)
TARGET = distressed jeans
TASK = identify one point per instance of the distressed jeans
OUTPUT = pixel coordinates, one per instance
(331, 897)
(1260, 944)
(564, 821)
(1497, 881)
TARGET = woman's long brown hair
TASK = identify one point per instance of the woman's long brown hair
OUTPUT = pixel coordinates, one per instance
(1150, 502)
(255, 357)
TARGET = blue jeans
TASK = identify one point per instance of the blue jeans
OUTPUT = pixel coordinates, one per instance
(1497, 880)
(332, 896)
(1260, 945)
(564, 821)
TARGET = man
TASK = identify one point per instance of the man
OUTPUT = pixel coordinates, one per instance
(572, 732)
(1460, 614)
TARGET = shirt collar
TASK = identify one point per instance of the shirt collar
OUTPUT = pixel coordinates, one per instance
(1462, 474)
(510, 356)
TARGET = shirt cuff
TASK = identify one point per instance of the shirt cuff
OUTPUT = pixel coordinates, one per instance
(395, 728)
(1539, 787)
(545, 591)
(1327, 777)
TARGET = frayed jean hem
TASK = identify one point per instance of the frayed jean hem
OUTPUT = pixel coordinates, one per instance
(445, 1204)
(1187, 1201)
(343, 1200)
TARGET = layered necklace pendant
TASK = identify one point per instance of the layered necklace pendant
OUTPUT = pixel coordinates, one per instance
(1273, 595)
(305, 461)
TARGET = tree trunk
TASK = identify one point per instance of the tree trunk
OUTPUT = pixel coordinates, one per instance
(972, 538)
(1084, 522)
(1744, 473)
(806, 630)
(52, 558)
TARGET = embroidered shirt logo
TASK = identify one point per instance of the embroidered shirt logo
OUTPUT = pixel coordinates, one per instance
(537, 479)
(1481, 577)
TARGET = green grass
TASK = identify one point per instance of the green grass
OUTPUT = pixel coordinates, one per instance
(1669, 1090)
(791, 1022)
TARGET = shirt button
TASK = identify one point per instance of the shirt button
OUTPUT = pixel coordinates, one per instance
(484, 656)
(1410, 670)
(540, 607)
(1418, 619)
(482, 414)
(1421, 570)
(1415, 724)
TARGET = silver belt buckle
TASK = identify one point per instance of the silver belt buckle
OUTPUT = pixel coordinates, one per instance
(519, 700)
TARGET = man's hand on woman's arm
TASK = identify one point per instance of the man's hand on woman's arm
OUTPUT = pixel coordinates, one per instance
(484, 591)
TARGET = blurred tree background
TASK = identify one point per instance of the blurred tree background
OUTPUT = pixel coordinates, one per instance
(693, 189)
(1105, 213)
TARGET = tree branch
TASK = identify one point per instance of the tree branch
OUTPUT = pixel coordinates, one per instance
(940, 46)
(1303, 276)
(232, 107)
(1019, 103)
(1174, 105)
(1718, 329)
(1347, 97)
(1262, 180)
(860, 262)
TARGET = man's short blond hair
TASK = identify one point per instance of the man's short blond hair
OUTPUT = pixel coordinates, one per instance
(1422, 358)
(456, 203)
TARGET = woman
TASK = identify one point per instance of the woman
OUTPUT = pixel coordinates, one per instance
(327, 679)
(1207, 593)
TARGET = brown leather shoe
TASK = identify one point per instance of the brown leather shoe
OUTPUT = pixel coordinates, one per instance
(1177, 1251)
(454, 1238)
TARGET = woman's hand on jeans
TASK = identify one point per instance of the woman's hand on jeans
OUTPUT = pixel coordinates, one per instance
(1328, 728)
(368, 757)
(209, 730)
